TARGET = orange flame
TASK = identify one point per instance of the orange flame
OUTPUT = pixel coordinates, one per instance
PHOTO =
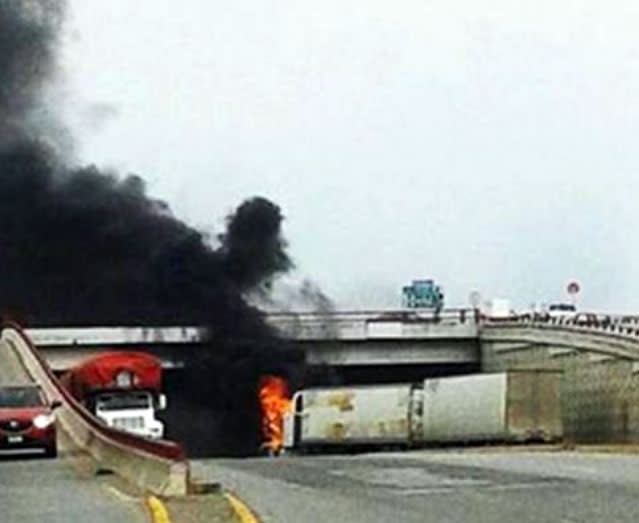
(273, 394)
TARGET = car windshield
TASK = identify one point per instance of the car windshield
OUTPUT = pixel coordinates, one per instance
(140, 400)
(20, 397)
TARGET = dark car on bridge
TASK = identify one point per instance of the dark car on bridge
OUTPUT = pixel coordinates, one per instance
(27, 420)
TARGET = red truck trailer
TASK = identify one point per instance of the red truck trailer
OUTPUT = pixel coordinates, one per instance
(123, 389)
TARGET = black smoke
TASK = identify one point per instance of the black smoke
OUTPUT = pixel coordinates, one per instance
(253, 234)
(80, 246)
(29, 32)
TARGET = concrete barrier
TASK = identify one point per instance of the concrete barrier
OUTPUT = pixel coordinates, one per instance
(158, 466)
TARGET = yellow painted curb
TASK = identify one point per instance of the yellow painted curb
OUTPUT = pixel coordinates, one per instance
(243, 512)
(159, 513)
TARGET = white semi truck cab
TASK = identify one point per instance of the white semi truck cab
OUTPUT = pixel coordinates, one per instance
(122, 389)
(131, 411)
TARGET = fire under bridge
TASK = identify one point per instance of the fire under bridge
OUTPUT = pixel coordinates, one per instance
(597, 355)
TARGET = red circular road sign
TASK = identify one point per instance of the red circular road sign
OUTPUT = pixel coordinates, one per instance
(573, 287)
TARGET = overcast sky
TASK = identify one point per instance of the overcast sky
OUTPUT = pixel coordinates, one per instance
(490, 145)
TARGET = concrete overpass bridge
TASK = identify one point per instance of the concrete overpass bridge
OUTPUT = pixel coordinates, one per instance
(375, 337)
(337, 339)
(520, 340)
(598, 357)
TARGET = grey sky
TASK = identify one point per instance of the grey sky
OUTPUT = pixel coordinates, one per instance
(490, 145)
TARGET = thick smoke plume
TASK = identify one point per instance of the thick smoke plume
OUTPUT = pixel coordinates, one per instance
(79, 246)
(253, 234)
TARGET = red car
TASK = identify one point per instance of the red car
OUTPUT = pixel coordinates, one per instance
(27, 420)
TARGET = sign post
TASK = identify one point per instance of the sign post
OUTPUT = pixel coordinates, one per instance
(475, 299)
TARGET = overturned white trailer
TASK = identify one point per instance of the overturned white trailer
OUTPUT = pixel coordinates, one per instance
(511, 406)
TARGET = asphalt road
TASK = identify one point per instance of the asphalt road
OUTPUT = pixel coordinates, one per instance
(33, 489)
(435, 486)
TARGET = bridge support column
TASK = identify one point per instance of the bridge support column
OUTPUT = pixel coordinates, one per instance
(499, 356)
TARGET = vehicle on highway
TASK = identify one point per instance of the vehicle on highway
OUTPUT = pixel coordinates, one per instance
(27, 420)
(562, 310)
(122, 389)
(499, 309)
(590, 319)
(514, 406)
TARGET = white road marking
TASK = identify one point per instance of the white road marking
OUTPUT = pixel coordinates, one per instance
(479, 485)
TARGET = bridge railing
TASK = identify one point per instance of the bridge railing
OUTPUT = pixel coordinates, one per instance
(364, 325)
(159, 466)
(461, 314)
(620, 325)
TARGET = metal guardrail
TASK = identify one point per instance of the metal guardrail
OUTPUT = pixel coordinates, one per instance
(371, 314)
(374, 325)
(460, 315)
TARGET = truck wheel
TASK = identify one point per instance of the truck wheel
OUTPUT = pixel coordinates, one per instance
(51, 451)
